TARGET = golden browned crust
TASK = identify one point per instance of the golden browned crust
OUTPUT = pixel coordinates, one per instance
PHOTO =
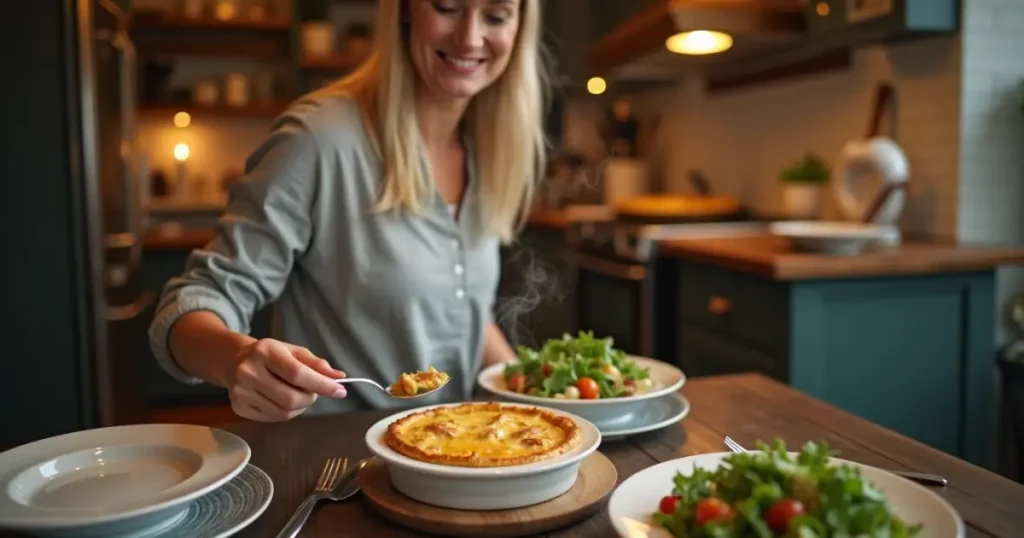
(522, 447)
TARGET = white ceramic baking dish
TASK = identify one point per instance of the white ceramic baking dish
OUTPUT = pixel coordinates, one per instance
(486, 488)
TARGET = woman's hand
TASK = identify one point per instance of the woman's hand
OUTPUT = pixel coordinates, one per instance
(274, 381)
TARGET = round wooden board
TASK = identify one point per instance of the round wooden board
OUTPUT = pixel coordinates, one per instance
(594, 485)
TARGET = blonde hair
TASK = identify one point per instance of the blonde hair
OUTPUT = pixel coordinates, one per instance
(504, 121)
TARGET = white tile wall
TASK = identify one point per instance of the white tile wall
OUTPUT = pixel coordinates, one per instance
(743, 139)
(991, 200)
(957, 118)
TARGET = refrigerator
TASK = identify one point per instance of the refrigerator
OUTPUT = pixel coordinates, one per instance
(75, 306)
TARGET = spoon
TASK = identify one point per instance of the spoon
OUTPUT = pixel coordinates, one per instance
(387, 390)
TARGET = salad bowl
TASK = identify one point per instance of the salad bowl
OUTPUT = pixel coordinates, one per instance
(635, 505)
(604, 412)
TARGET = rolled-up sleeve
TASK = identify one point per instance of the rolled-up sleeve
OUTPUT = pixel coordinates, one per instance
(265, 227)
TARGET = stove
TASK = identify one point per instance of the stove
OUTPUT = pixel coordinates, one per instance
(625, 290)
(637, 242)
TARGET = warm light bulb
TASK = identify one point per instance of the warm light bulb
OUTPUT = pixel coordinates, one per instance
(181, 151)
(182, 119)
(699, 42)
(596, 85)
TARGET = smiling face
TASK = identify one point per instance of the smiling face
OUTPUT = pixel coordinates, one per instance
(460, 47)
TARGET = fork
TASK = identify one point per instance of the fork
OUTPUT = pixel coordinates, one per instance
(333, 468)
(922, 478)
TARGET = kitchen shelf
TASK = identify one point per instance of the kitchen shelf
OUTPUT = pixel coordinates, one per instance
(339, 62)
(147, 22)
(263, 39)
(254, 110)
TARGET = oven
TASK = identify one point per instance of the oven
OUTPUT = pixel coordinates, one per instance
(625, 289)
(631, 300)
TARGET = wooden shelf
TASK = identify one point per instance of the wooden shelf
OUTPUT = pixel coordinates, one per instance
(339, 62)
(149, 22)
(254, 110)
(265, 39)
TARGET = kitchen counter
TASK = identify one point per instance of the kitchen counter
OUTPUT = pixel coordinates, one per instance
(168, 238)
(770, 256)
(560, 219)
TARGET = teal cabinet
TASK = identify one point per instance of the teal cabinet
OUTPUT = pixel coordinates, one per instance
(857, 22)
(912, 353)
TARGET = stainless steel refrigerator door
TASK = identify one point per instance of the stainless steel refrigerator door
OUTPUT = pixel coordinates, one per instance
(107, 80)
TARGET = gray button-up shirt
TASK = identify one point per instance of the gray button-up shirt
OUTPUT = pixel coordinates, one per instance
(376, 294)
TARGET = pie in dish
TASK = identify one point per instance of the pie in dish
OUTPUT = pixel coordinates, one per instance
(418, 382)
(487, 434)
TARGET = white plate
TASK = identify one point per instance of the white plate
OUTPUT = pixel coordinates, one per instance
(844, 238)
(654, 415)
(483, 488)
(633, 502)
(606, 413)
(134, 476)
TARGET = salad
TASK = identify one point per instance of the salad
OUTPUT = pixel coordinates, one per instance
(583, 367)
(768, 494)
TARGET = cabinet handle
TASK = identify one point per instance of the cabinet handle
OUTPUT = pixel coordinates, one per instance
(719, 305)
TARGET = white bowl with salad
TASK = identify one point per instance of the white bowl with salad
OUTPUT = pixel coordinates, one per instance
(583, 375)
(772, 493)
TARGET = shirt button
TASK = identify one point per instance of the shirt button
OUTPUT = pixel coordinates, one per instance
(459, 269)
(460, 293)
(456, 245)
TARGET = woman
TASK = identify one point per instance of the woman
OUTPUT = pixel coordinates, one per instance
(372, 216)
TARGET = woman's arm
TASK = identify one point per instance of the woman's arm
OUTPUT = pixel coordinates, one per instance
(205, 313)
(496, 348)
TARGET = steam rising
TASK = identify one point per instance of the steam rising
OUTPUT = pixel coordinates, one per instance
(538, 283)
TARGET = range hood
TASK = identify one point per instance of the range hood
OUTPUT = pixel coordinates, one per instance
(636, 49)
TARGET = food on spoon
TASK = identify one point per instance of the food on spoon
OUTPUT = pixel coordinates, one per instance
(418, 382)
(767, 493)
(583, 367)
(487, 434)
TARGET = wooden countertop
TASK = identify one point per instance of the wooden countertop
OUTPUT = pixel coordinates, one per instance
(160, 238)
(180, 239)
(560, 219)
(772, 257)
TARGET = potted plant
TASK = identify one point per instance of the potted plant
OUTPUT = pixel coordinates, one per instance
(317, 30)
(803, 184)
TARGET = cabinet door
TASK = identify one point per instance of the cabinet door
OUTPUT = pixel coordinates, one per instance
(825, 17)
(536, 297)
(704, 353)
(892, 351)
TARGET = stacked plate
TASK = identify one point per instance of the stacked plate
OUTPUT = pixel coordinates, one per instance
(616, 418)
(141, 481)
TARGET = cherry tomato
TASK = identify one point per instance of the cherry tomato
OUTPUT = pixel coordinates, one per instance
(712, 509)
(547, 369)
(778, 515)
(588, 388)
(668, 504)
(517, 383)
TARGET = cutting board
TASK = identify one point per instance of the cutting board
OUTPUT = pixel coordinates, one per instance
(596, 481)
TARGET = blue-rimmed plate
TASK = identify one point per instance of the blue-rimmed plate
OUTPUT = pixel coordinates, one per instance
(117, 480)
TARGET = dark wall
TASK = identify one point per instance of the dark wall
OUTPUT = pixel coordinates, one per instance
(42, 363)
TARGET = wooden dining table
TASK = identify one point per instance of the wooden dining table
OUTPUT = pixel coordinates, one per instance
(746, 407)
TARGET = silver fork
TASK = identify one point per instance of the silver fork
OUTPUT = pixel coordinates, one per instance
(921, 478)
(333, 468)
